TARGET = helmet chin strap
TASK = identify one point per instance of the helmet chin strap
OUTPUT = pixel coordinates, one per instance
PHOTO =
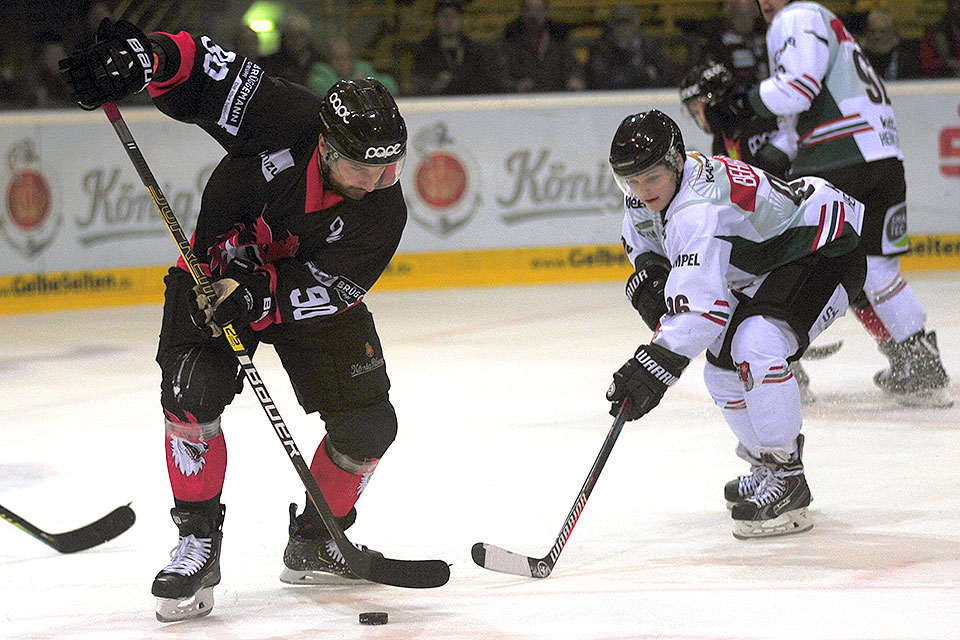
(325, 173)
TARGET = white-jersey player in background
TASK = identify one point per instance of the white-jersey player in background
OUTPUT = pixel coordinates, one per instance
(839, 120)
(748, 267)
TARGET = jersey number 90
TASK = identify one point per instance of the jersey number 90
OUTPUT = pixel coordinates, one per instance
(216, 59)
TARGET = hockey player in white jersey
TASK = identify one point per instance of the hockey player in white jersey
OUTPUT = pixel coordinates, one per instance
(748, 267)
(838, 118)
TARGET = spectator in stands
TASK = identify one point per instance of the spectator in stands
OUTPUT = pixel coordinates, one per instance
(940, 49)
(344, 65)
(625, 58)
(42, 85)
(536, 53)
(12, 94)
(246, 42)
(890, 57)
(449, 63)
(297, 54)
(740, 43)
(95, 14)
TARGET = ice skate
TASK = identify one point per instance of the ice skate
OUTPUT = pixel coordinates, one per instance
(915, 377)
(741, 488)
(779, 504)
(184, 588)
(312, 556)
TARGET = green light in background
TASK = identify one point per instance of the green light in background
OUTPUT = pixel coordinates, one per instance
(261, 25)
(263, 17)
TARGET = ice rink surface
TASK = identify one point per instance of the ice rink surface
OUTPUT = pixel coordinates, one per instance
(499, 394)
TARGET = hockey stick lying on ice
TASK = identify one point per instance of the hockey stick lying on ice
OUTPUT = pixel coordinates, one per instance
(106, 528)
(366, 564)
(496, 558)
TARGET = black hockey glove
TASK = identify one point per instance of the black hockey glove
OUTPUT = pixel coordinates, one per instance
(645, 288)
(644, 379)
(118, 65)
(243, 296)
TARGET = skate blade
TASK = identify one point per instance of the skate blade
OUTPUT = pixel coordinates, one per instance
(177, 609)
(796, 521)
(927, 399)
(320, 578)
(730, 504)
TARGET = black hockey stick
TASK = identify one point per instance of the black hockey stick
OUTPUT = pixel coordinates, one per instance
(364, 563)
(499, 559)
(823, 351)
(106, 528)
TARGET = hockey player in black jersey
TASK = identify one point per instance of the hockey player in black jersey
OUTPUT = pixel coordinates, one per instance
(749, 139)
(296, 223)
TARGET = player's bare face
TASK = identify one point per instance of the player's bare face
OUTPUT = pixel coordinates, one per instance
(654, 187)
(697, 108)
(770, 8)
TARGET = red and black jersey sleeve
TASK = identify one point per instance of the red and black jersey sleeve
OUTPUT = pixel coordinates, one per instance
(230, 97)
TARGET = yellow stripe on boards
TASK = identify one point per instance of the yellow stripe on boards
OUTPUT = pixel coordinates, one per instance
(80, 289)
(61, 291)
(932, 253)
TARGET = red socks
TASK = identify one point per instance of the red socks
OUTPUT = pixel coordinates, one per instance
(196, 466)
(340, 488)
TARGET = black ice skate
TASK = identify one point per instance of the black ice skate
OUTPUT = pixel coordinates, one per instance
(311, 556)
(741, 488)
(916, 377)
(184, 588)
(779, 504)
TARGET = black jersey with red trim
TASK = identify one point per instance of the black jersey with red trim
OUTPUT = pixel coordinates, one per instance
(750, 142)
(266, 201)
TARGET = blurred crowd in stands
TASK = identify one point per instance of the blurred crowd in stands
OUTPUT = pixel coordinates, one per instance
(533, 53)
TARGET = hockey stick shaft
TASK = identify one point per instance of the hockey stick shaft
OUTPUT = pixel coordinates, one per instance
(497, 559)
(410, 573)
(87, 536)
(822, 351)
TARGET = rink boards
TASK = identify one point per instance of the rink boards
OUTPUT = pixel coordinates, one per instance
(499, 190)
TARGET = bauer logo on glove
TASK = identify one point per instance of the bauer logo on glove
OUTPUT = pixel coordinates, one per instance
(118, 65)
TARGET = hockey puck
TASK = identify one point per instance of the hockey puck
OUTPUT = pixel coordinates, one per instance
(373, 617)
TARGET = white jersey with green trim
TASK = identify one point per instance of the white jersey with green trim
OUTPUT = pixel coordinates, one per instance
(729, 225)
(833, 106)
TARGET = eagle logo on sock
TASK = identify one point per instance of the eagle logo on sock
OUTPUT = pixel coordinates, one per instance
(188, 456)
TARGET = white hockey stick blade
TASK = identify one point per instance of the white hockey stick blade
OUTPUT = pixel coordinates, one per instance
(496, 558)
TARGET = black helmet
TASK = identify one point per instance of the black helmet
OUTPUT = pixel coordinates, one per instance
(714, 83)
(643, 141)
(710, 80)
(360, 121)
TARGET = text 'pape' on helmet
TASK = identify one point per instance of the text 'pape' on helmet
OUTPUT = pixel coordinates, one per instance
(361, 123)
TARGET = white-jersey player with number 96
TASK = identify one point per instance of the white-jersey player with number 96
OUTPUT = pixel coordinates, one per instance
(837, 116)
(737, 262)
